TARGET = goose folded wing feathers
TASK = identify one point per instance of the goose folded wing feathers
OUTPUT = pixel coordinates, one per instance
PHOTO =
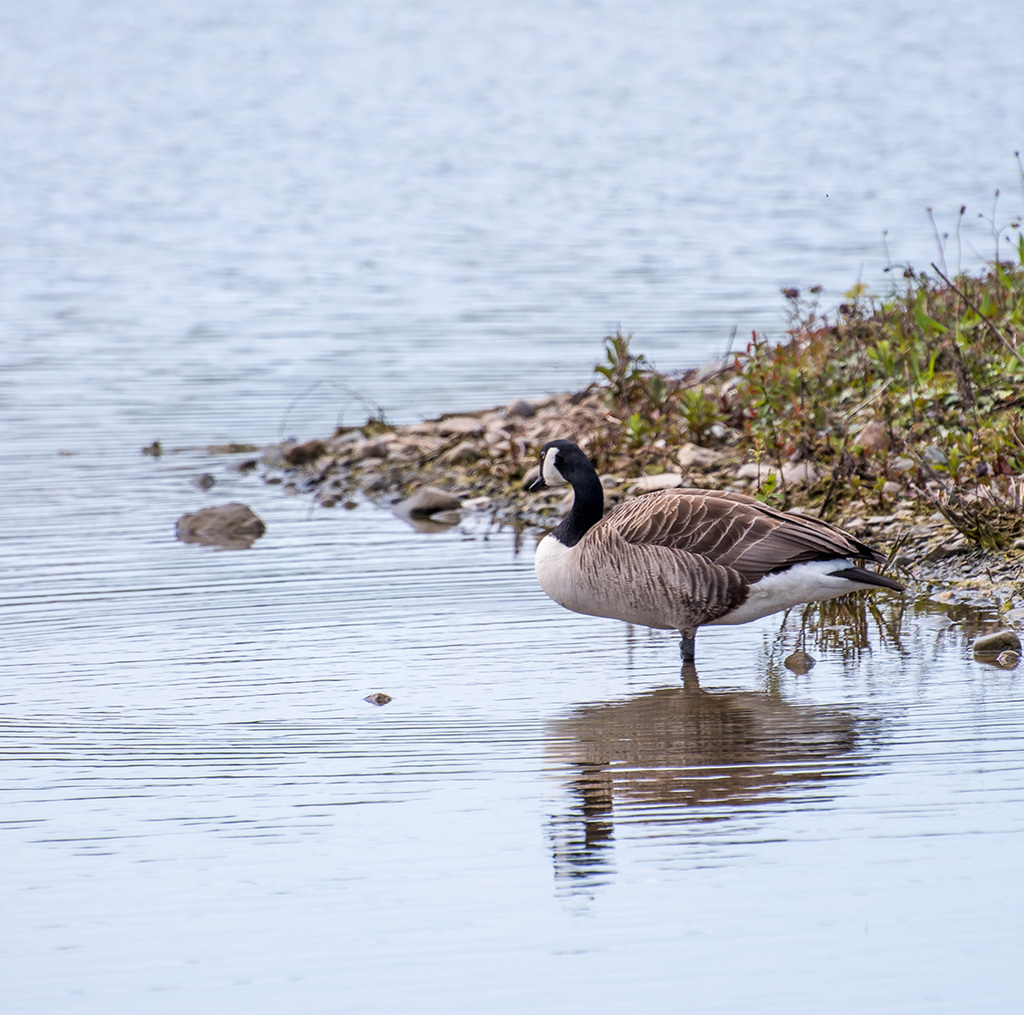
(733, 531)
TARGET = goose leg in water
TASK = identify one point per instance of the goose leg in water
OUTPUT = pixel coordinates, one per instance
(686, 645)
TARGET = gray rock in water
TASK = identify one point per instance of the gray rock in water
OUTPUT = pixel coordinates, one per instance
(203, 481)
(993, 644)
(426, 501)
(1008, 660)
(229, 526)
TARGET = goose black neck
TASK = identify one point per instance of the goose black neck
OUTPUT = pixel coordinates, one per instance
(587, 507)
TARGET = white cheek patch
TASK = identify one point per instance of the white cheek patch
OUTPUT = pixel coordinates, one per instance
(549, 470)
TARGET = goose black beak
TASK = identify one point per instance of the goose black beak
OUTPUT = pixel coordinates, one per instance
(537, 485)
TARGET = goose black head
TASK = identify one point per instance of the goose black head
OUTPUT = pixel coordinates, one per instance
(560, 461)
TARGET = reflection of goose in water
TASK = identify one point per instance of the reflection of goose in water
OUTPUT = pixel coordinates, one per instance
(682, 754)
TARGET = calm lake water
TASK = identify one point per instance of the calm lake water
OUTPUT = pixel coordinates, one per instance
(228, 221)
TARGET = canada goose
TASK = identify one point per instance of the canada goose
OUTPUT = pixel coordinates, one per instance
(680, 559)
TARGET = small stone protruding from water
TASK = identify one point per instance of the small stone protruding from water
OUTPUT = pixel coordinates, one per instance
(155, 449)
(1008, 660)
(203, 481)
(799, 662)
(378, 698)
(993, 644)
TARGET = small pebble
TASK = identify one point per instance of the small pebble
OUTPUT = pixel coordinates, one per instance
(799, 661)
(1008, 660)
(379, 698)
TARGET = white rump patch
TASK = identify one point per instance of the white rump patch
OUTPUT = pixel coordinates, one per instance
(803, 583)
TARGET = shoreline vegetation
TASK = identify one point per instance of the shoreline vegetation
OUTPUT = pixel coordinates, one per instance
(899, 419)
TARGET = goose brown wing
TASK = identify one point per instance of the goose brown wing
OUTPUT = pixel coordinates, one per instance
(732, 530)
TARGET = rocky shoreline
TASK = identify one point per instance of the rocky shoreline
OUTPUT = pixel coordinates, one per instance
(434, 471)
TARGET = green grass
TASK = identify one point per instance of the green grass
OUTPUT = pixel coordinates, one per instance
(922, 390)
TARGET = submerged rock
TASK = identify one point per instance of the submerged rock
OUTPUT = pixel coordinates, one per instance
(230, 526)
(993, 644)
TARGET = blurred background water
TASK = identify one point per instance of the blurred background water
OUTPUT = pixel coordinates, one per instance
(231, 221)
